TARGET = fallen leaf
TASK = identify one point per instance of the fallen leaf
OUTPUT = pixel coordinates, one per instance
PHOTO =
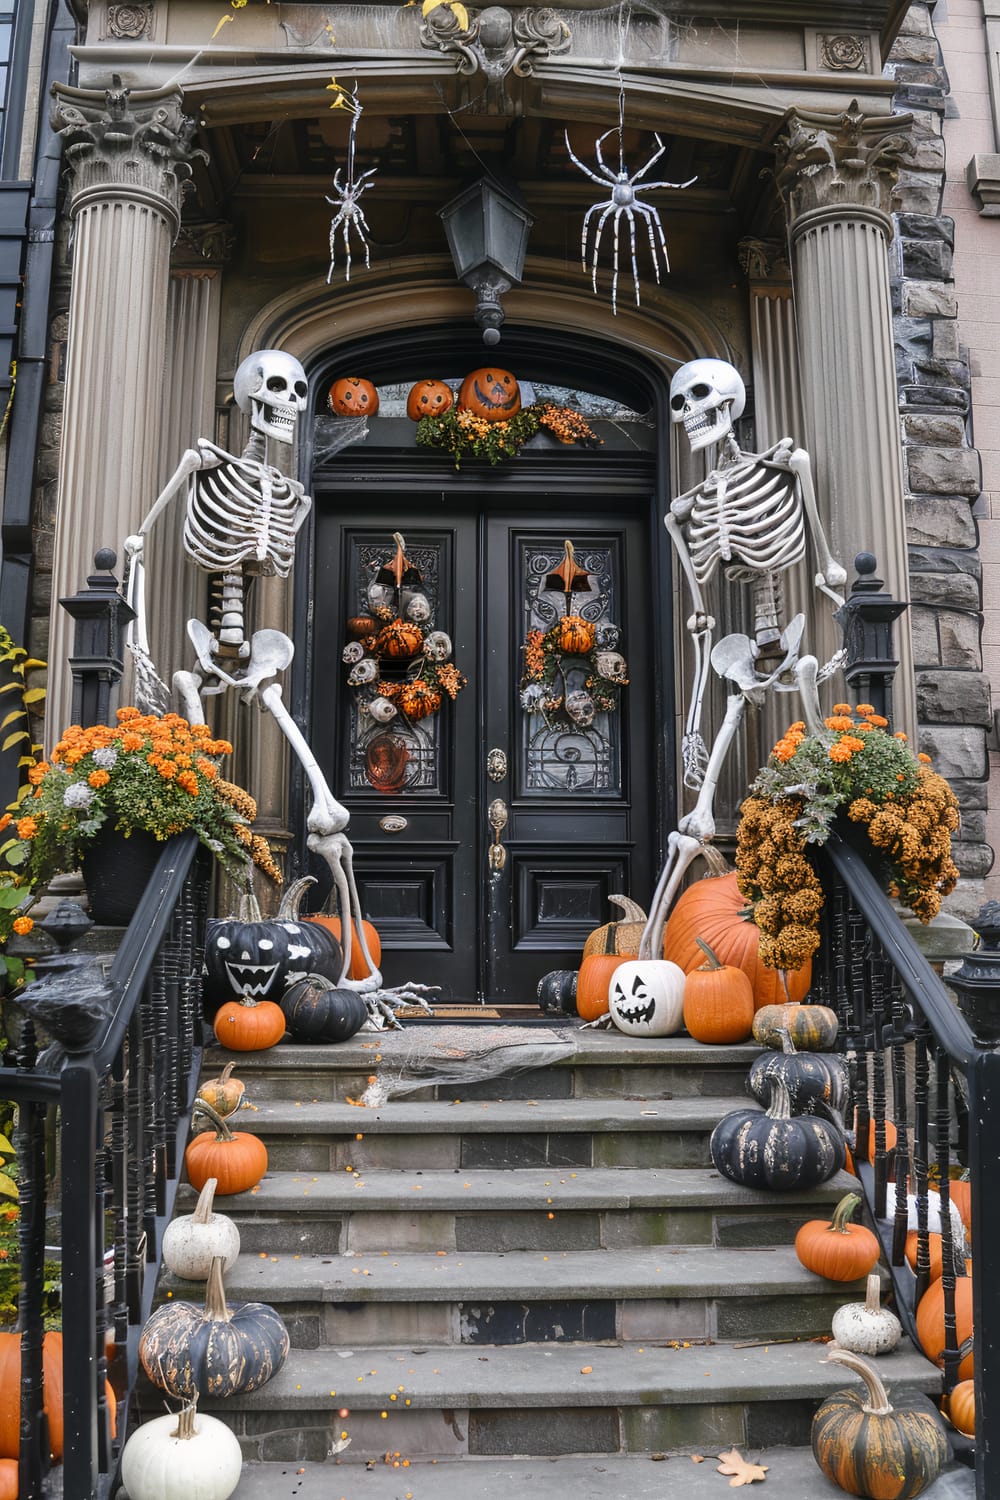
(742, 1470)
(697, 1458)
(586, 1369)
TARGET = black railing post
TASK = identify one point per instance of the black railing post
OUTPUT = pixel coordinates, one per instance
(867, 620)
(100, 614)
(80, 1260)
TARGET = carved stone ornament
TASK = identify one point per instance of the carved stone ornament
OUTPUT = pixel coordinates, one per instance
(764, 260)
(204, 240)
(132, 140)
(843, 53)
(130, 22)
(851, 159)
(497, 41)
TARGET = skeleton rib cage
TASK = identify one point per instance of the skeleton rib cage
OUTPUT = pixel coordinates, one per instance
(242, 513)
(753, 514)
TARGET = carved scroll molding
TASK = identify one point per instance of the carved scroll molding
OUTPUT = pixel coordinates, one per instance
(846, 161)
(497, 41)
(119, 142)
(764, 260)
(132, 21)
(201, 243)
(842, 52)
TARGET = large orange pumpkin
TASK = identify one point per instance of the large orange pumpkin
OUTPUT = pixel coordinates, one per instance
(714, 910)
(353, 397)
(960, 1192)
(428, 398)
(962, 1407)
(8, 1479)
(359, 968)
(491, 394)
(52, 1377)
(930, 1323)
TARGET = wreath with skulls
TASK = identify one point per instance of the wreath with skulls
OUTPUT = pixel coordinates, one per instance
(573, 648)
(431, 675)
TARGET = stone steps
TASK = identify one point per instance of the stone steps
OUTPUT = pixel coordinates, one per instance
(482, 1298)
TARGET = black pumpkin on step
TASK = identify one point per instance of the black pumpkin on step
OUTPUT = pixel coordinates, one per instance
(556, 992)
(316, 1011)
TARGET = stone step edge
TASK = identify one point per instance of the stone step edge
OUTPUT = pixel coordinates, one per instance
(518, 1376)
(312, 1118)
(698, 1272)
(600, 1048)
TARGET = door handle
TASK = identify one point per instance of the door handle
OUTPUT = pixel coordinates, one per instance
(497, 817)
(496, 764)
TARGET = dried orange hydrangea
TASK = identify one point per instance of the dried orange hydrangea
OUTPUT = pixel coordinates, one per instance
(851, 765)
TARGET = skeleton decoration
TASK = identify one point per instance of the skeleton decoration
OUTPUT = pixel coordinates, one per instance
(748, 516)
(623, 203)
(242, 518)
(349, 217)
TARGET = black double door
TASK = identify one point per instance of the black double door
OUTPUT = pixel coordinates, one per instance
(487, 838)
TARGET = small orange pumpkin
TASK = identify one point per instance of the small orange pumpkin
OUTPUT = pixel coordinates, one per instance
(718, 1001)
(249, 1025)
(353, 397)
(428, 398)
(8, 1479)
(930, 1323)
(235, 1158)
(891, 1137)
(360, 627)
(960, 1192)
(418, 699)
(934, 1244)
(962, 1407)
(491, 394)
(835, 1248)
(359, 968)
(398, 639)
(575, 635)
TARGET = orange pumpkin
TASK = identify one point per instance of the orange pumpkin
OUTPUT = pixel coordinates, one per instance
(960, 1192)
(713, 909)
(359, 968)
(418, 699)
(718, 1002)
(575, 635)
(360, 627)
(235, 1158)
(249, 1025)
(428, 398)
(891, 1137)
(52, 1379)
(352, 397)
(930, 1323)
(399, 638)
(934, 1246)
(8, 1479)
(962, 1407)
(835, 1248)
(625, 934)
(491, 394)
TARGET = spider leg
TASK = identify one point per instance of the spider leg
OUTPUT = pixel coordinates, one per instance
(611, 175)
(635, 268)
(652, 161)
(597, 244)
(652, 219)
(651, 187)
(347, 247)
(578, 163)
(583, 236)
(359, 228)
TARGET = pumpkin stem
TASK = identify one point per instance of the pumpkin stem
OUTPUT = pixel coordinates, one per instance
(185, 1420)
(249, 907)
(787, 1045)
(713, 960)
(878, 1401)
(248, 1000)
(288, 911)
(631, 910)
(843, 1212)
(203, 1208)
(215, 1310)
(780, 1107)
(202, 1107)
(226, 1073)
(873, 1293)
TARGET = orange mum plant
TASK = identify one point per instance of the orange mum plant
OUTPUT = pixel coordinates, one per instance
(855, 767)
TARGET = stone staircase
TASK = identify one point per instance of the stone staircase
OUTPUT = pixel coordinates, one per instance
(538, 1280)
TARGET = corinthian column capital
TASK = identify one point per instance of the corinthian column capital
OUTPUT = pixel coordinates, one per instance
(839, 162)
(121, 142)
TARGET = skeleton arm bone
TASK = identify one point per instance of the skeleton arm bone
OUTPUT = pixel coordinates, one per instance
(700, 626)
(831, 575)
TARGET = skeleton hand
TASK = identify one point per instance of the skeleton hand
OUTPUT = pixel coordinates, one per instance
(833, 575)
(696, 826)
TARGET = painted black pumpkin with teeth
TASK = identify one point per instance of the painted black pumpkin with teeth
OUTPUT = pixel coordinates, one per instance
(259, 956)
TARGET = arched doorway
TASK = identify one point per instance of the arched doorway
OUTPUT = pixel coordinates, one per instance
(578, 811)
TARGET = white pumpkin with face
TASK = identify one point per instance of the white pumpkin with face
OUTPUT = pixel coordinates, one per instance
(646, 997)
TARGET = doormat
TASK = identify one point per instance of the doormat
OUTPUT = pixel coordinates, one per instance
(448, 1013)
(420, 1057)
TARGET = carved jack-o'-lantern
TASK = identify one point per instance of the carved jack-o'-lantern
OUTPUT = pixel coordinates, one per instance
(646, 997)
(490, 393)
(352, 397)
(428, 398)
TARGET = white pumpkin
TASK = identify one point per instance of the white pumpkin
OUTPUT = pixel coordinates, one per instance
(646, 997)
(192, 1242)
(185, 1457)
(867, 1327)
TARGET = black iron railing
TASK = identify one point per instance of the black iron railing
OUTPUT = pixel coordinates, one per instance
(927, 1095)
(122, 1100)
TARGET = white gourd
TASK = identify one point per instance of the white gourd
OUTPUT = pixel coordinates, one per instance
(189, 1456)
(646, 997)
(192, 1242)
(867, 1327)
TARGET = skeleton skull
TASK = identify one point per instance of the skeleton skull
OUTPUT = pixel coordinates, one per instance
(418, 608)
(610, 665)
(707, 395)
(580, 707)
(352, 652)
(437, 645)
(608, 635)
(271, 387)
(382, 710)
(365, 671)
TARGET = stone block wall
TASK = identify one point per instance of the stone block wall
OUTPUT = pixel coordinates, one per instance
(943, 470)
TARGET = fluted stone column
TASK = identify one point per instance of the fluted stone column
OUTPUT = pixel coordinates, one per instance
(128, 153)
(835, 173)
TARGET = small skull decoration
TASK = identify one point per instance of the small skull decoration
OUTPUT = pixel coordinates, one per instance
(380, 596)
(364, 671)
(608, 636)
(532, 697)
(580, 707)
(382, 710)
(611, 665)
(437, 645)
(418, 609)
(352, 653)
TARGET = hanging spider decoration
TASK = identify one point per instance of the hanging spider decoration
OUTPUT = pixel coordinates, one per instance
(347, 194)
(623, 202)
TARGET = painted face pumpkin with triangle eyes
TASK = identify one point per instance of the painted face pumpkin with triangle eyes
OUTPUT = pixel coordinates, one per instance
(491, 394)
(646, 997)
(428, 398)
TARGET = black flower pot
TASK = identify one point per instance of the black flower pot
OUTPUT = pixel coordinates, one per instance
(116, 870)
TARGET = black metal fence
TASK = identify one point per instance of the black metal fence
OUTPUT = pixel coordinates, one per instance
(121, 1099)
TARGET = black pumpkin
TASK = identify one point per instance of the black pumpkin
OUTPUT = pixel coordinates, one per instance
(252, 955)
(774, 1150)
(868, 1447)
(216, 1350)
(556, 991)
(316, 1011)
(811, 1078)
